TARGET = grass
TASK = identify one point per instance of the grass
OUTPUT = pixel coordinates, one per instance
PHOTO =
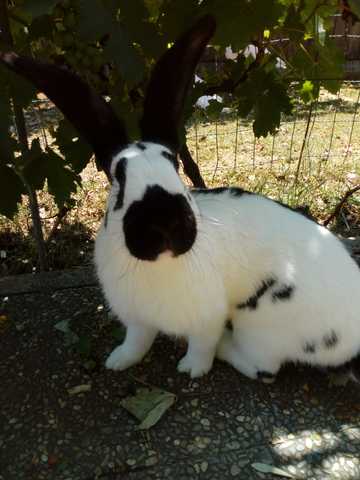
(327, 161)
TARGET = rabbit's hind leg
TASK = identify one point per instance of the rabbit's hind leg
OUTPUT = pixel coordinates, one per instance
(247, 358)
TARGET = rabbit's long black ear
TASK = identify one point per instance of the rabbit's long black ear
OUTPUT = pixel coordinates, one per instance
(90, 114)
(170, 82)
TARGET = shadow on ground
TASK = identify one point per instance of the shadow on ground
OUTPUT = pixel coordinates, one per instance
(219, 426)
(70, 246)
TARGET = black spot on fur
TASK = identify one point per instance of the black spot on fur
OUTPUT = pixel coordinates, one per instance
(160, 221)
(120, 175)
(285, 293)
(302, 210)
(106, 219)
(309, 347)
(235, 191)
(330, 340)
(355, 367)
(266, 377)
(172, 157)
(141, 145)
(252, 302)
(229, 324)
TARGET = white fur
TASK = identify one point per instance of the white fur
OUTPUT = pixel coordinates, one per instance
(241, 241)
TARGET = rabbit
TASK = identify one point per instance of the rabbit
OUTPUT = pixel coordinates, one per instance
(184, 261)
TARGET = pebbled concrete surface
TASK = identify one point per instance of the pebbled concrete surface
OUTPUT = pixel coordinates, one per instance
(219, 425)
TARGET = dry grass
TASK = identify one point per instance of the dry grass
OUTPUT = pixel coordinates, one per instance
(329, 166)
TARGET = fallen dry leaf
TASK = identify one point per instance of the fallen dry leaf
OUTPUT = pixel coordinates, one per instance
(148, 405)
(265, 468)
(79, 389)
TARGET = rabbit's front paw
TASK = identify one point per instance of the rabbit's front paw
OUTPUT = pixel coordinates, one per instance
(195, 364)
(121, 358)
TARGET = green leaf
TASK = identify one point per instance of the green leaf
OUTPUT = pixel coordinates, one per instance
(7, 143)
(84, 346)
(293, 24)
(94, 20)
(62, 182)
(120, 50)
(35, 170)
(214, 109)
(41, 27)
(48, 165)
(148, 405)
(130, 116)
(240, 21)
(355, 7)
(307, 91)
(76, 151)
(271, 103)
(265, 95)
(39, 7)
(175, 17)
(317, 62)
(265, 468)
(70, 337)
(135, 16)
(11, 190)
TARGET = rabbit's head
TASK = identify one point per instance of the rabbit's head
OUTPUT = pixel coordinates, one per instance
(149, 207)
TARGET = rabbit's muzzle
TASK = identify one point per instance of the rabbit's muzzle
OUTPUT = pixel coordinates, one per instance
(159, 222)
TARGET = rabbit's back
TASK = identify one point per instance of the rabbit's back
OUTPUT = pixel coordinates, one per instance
(289, 281)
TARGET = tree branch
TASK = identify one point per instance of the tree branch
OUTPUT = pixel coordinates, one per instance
(339, 206)
(23, 141)
(229, 85)
(190, 167)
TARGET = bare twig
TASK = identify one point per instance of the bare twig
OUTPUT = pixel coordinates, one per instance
(190, 168)
(303, 143)
(229, 85)
(59, 218)
(339, 206)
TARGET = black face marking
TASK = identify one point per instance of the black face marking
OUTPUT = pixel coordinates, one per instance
(309, 347)
(159, 222)
(172, 157)
(285, 293)
(106, 219)
(235, 191)
(330, 340)
(120, 175)
(252, 302)
(141, 145)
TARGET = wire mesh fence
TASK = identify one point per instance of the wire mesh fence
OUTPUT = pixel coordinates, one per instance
(314, 154)
(326, 132)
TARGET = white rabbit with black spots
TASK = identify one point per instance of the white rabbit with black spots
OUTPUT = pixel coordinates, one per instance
(183, 261)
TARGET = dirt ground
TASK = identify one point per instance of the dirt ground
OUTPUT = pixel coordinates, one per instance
(221, 426)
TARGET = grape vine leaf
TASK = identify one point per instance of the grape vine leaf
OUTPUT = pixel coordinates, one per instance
(35, 168)
(135, 16)
(11, 190)
(74, 149)
(266, 96)
(39, 7)
(62, 181)
(355, 7)
(231, 30)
